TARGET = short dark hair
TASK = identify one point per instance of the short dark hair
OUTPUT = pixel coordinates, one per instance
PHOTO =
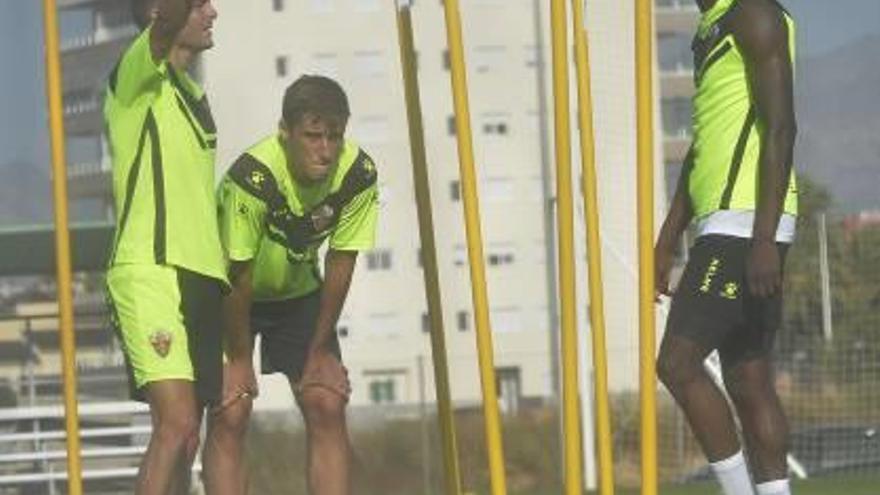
(317, 95)
(140, 11)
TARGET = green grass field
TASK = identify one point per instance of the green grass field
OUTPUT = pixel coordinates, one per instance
(854, 485)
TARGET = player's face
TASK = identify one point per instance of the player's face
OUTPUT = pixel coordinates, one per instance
(197, 34)
(313, 146)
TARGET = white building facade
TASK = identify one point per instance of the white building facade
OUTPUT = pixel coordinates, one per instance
(262, 46)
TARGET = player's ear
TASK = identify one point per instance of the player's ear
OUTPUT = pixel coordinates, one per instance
(283, 130)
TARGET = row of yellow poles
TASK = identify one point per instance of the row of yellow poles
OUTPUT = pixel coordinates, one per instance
(565, 218)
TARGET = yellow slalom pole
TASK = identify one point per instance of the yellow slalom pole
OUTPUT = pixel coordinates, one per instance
(565, 226)
(645, 192)
(594, 253)
(429, 249)
(62, 246)
(491, 414)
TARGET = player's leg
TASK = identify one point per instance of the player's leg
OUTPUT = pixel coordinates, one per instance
(749, 379)
(765, 428)
(165, 467)
(173, 357)
(702, 315)
(680, 368)
(327, 444)
(225, 466)
(286, 329)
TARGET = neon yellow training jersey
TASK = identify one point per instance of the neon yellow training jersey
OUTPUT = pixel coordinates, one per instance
(268, 217)
(162, 140)
(727, 133)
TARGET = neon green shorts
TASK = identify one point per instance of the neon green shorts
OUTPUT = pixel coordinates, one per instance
(168, 321)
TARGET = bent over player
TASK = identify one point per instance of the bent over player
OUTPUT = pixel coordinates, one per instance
(278, 203)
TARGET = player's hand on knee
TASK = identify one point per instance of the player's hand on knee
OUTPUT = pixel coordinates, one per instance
(323, 369)
(239, 383)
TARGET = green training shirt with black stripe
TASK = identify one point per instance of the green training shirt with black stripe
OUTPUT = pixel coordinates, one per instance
(162, 141)
(727, 133)
(270, 218)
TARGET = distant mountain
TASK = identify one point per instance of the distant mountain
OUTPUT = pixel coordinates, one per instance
(25, 195)
(838, 105)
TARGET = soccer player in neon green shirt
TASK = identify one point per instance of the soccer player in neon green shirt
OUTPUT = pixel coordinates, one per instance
(738, 186)
(278, 203)
(167, 272)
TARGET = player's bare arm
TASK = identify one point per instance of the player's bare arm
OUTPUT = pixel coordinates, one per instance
(762, 33)
(677, 219)
(322, 367)
(239, 377)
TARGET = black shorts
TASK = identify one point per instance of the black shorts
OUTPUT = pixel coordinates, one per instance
(713, 307)
(286, 329)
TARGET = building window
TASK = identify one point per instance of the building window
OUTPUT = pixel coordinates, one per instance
(367, 5)
(489, 58)
(462, 321)
(323, 6)
(379, 259)
(325, 64)
(382, 391)
(342, 331)
(531, 56)
(677, 114)
(508, 382)
(674, 53)
(455, 190)
(504, 320)
(500, 254)
(497, 189)
(501, 259)
(426, 322)
(277, 5)
(450, 125)
(495, 123)
(447, 62)
(281, 66)
(369, 64)
(460, 255)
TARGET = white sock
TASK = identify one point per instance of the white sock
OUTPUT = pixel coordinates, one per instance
(733, 475)
(775, 487)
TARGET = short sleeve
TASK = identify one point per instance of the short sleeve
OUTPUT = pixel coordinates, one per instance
(241, 221)
(136, 73)
(356, 229)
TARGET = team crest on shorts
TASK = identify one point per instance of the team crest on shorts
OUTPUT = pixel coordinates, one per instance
(730, 291)
(161, 342)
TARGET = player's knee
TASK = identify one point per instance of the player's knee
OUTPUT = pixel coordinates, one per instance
(233, 421)
(675, 370)
(322, 408)
(178, 432)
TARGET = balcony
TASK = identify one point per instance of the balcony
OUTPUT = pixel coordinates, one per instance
(89, 180)
(679, 16)
(83, 118)
(677, 82)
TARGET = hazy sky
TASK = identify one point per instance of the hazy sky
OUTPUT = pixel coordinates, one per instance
(824, 25)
